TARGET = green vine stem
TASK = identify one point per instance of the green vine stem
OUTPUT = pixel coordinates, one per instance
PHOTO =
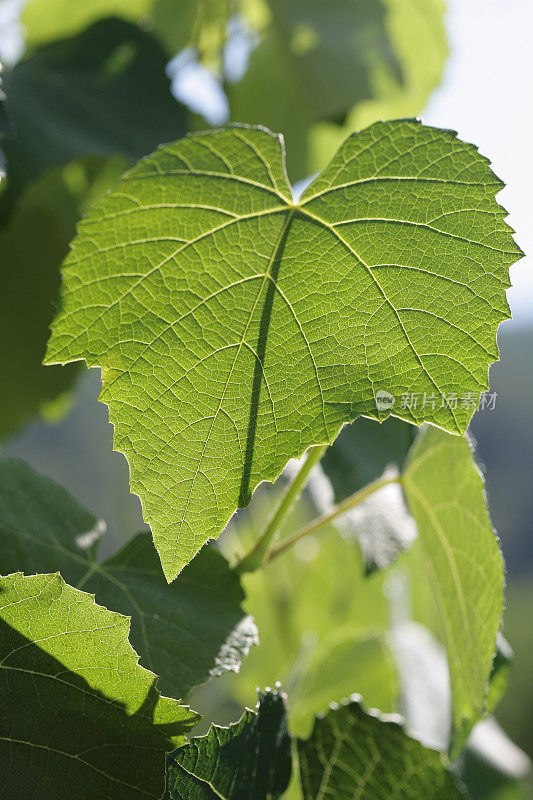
(337, 511)
(256, 556)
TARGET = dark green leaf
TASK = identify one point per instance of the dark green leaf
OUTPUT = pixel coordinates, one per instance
(185, 633)
(103, 92)
(79, 717)
(33, 243)
(353, 753)
(250, 760)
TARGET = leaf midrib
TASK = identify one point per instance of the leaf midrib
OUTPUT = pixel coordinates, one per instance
(282, 234)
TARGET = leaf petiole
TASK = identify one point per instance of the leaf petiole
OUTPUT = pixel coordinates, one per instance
(336, 511)
(256, 556)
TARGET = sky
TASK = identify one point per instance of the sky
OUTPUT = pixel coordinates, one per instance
(487, 96)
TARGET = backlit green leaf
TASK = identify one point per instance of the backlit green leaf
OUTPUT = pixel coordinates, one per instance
(79, 717)
(250, 760)
(353, 753)
(235, 328)
(185, 633)
(463, 563)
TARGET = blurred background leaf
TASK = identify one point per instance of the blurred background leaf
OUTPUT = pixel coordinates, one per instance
(82, 96)
(33, 242)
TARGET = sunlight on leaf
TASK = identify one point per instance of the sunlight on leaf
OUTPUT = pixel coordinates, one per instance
(77, 708)
(235, 328)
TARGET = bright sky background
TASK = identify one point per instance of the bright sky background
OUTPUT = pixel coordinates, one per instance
(487, 96)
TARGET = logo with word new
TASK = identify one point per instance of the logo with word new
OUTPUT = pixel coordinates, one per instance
(384, 400)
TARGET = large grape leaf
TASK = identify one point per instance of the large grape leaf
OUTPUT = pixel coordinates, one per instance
(79, 717)
(185, 633)
(463, 563)
(235, 328)
(81, 96)
(352, 753)
(249, 760)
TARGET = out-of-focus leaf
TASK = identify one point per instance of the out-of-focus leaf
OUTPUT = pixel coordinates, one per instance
(362, 61)
(341, 662)
(491, 766)
(353, 753)
(103, 92)
(423, 675)
(33, 242)
(317, 614)
(363, 452)
(463, 563)
(176, 23)
(79, 716)
(417, 36)
(194, 371)
(72, 98)
(380, 525)
(249, 760)
(47, 20)
(185, 633)
(313, 62)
